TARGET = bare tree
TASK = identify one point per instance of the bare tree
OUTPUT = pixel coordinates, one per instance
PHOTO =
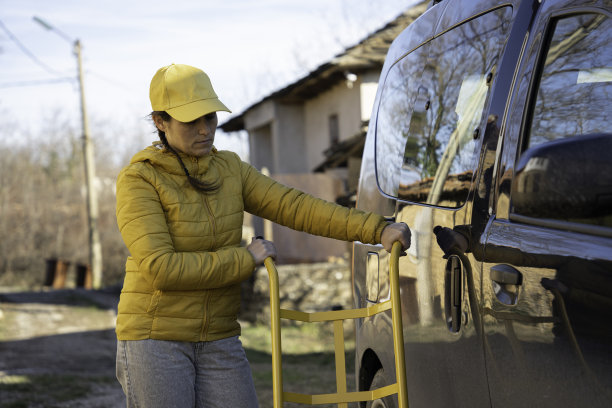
(42, 201)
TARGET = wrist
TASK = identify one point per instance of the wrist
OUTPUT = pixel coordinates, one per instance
(381, 230)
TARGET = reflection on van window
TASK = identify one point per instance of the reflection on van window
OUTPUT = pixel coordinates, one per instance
(594, 75)
(566, 173)
(574, 94)
(425, 145)
(395, 114)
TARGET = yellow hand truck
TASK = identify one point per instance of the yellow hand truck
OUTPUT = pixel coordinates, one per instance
(341, 397)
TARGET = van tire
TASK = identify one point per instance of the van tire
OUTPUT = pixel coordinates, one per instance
(380, 380)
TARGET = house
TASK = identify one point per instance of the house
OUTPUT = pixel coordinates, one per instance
(310, 134)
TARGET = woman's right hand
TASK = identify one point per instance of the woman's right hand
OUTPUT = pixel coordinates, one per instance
(260, 249)
(399, 232)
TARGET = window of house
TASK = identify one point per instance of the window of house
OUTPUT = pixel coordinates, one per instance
(334, 129)
(565, 172)
(431, 108)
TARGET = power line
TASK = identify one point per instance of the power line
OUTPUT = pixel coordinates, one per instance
(47, 68)
(35, 82)
(108, 80)
(27, 52)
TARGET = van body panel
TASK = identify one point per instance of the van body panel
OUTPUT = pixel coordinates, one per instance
(524, 318)
(551, 345)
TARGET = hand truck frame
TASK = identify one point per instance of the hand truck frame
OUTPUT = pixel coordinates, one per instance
(341, 397)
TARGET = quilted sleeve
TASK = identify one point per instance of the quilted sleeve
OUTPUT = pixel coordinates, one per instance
(142, 224)
(295, 209)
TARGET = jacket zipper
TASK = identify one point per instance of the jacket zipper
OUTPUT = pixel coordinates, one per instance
(210, 213)
(214, 232)
(211, 217)
(213, 224)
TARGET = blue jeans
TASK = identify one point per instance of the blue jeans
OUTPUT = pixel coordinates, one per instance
(166, 374)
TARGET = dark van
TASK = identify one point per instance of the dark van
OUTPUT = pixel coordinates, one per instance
(493, 121)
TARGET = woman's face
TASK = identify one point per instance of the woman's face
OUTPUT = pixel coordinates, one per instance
(194, 138)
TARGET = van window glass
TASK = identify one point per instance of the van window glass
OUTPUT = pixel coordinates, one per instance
(565, 172)
(426, 150)
(394, 115)
(576, 81)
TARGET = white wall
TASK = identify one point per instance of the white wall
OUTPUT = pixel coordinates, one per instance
(353, 105)
(260, 115)
(340, 100)
(261, 148)
(300, 132)
(288, 134)
(369, 86)
(258, 123)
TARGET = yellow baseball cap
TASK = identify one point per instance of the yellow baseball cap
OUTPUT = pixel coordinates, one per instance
(184, 92)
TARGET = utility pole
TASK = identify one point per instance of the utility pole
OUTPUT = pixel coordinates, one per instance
(95, 246)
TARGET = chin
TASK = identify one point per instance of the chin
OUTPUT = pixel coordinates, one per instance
(200, 153)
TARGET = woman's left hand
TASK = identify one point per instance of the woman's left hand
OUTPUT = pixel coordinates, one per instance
(398, 231)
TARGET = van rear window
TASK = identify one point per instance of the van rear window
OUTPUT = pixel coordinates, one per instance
(432, 106)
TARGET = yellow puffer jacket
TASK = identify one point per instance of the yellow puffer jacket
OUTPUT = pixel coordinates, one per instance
(183, 277)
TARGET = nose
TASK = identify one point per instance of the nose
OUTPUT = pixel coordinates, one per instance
(204, 127)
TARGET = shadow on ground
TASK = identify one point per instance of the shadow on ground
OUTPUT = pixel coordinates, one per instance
(65, 370)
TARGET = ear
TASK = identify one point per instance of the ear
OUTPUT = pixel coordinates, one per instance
(159, 122)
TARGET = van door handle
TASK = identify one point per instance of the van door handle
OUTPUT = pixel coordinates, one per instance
(506, 275)
(453, 293)
(506, 281)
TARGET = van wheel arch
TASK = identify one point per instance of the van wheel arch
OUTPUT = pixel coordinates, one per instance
(370, 365)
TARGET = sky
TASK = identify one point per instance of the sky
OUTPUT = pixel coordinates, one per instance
(248, 48)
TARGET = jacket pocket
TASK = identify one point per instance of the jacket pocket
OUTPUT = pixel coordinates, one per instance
(154, 302)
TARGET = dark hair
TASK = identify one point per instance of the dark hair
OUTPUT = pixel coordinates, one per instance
(197, 184)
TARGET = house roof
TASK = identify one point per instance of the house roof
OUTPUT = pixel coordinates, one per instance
(368, 54)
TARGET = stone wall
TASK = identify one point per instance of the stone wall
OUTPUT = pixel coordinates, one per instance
(312, 287)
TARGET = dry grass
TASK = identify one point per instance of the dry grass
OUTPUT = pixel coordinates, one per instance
(308, 360)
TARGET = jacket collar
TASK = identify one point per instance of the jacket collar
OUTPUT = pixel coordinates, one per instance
(159, 156)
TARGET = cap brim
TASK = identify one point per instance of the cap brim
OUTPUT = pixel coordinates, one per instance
(192, 111)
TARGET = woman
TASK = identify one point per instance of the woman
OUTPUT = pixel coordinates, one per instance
(180, 205)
